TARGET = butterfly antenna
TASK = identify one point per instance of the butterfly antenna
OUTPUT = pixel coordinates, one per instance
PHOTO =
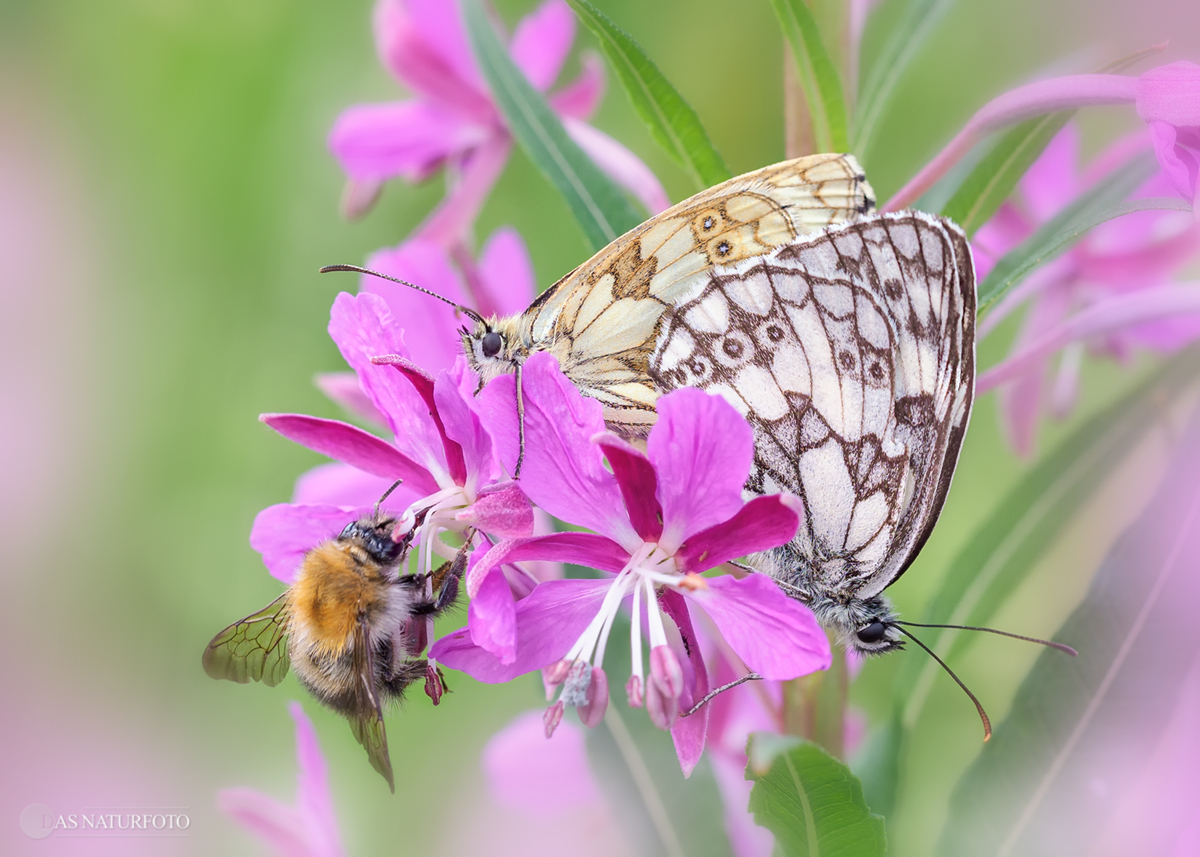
(464, 310)
(747, 677)
(1062, 647)
(987, 724)
(387, 494)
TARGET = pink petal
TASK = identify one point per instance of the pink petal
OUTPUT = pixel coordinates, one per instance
(312, 793)
(1178, 152)
(351, 445)
(462, 424)
(451, 221)
(1106, 316)
(423, 383)
(507, 283)
(621, 165)
(429, 324)
(274, 822)
(689, 732)
(580, 98)
(586, 549)
(423, 43)
(1016, 105)
(411, 139)
(363, 327)
(549, 622)
(342, 388)
(746, 837)
(1051, 182)
(763, 523)
(526, 772)
(542, 41)
(701, 448)
(774, 635)
(338, 484)
(492, 618)
(284, 533)
(1170, 93)
(563, 471)
(635, 476)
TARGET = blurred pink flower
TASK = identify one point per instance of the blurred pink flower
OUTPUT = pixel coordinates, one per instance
(1167, 98)
(1113, 291)
(659, 519)
(454, 122)
(307, 829)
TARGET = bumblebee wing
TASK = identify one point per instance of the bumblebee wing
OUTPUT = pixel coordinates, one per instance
(367, 720)
(252, 648)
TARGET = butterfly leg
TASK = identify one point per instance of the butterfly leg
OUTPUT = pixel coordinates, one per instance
(520, 424)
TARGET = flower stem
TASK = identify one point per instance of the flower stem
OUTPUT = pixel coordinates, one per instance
(814, 706)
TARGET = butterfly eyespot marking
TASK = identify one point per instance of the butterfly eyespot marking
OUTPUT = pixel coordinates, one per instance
(709, 223)
(873, 633)
(723, 248)
(491, 344)
(732, 347)
(847, 360)
(876, 371)
(774, 333)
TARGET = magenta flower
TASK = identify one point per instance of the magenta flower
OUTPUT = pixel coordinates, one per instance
(1113, 292)
(1167, 98)
(308, 829)
(439, 449)
(658, 520)
(453, 122)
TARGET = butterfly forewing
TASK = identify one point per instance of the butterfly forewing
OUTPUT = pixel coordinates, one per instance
(602, 320)
(851, 354)
(254, 648)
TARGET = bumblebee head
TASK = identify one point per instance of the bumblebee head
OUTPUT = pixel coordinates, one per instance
(374, 535)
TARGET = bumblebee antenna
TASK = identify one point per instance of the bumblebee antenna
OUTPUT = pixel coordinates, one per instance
(1062, 647)
(356, 269)
(387, 494)
(987, 724)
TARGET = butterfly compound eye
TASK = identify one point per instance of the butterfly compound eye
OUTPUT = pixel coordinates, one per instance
(872, 633)
(491, 344)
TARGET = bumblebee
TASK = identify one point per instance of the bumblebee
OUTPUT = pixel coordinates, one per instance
(344, 627)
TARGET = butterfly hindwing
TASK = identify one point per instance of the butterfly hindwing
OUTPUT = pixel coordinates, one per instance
(851, 353)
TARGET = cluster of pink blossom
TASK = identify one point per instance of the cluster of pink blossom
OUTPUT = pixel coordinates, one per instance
(648, 522)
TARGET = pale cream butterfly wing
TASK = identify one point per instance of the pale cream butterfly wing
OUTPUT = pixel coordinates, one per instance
(602, 320)
(851, 353)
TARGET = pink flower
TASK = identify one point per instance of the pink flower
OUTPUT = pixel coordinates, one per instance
(453, 121)
(1168, 98)
(308, 829)
(438, 447)
(658, 520)
(1113, 291)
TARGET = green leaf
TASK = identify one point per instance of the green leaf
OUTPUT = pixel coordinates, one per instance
(1000, 554)
(903, 43)
(635, 764)
(671, 121)
(810, 801)
(1073, 752)
(1103, 202)
(599, 205)
(817, 74)
(997, 173)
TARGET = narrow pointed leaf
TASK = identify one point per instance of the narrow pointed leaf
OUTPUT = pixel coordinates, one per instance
(810, 801)
(671, 121)
(1105, 201)
(817, 73)
(999, 555)
(1083, 741)
(598, 204)
(903, 43)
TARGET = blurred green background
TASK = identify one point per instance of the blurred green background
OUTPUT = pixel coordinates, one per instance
(165, 201)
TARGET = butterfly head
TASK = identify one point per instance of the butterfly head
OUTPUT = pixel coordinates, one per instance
(494, 346)
(867, 626)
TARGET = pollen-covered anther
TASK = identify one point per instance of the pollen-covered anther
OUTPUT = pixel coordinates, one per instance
(553, 717)
(575, 688)
(633, 691)
(692, 582)
(592, 711)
